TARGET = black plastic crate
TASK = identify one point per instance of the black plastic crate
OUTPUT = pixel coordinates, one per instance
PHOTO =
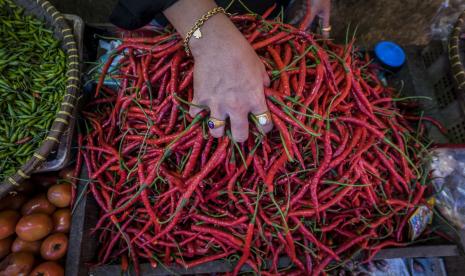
(426, 73)
(83, 249)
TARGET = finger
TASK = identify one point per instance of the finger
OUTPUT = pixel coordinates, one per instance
(312, 16)
(325, 17)
(326, 33)
(266, 79)
(306, 18)
(261, 109)
(196, 107)
(194, 110)
(239, 126)
(216, 113)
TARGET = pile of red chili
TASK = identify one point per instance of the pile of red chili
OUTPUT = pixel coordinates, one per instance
(340, 172)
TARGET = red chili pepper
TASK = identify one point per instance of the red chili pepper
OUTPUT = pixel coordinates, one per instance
(372, 129)
(124, 263)
(194, 181)
(196, 150)
(435, 122)
(206, 259)
(390, 166)
(220, 222)
(305, 22)
(281, 66)
(213, 231)
(314, 92)
(374, 250)
(246, 250)
(147, 40)
(266, 42)
(313, 239)
(288, 143)
(151, 168)
(287, 54)
(277, 165)
(145, 199)
(312, 212)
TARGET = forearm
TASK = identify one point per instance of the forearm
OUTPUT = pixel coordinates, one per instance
(183, 15)
(228, 75)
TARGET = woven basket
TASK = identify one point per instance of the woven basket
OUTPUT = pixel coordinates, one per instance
(455, 55)
(55, 21)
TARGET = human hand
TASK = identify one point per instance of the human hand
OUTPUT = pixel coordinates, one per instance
(322, 9)
(229, 78)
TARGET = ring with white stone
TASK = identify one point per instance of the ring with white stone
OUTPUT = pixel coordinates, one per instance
(263, 118)
(326, 29)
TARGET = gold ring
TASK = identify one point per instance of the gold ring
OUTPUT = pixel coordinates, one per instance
(326, 29)
(215, 123)
(263, 118)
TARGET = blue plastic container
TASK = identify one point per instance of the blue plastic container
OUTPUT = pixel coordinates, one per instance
(389, 54)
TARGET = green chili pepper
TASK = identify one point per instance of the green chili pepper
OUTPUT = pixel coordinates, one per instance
(32, 84)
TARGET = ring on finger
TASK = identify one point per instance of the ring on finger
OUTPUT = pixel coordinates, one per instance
(326, 29)
(263, 118)
(215, 123)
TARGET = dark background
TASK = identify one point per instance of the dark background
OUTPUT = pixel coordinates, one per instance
(404, 21)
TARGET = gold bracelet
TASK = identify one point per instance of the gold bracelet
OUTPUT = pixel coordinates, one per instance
(195, 31)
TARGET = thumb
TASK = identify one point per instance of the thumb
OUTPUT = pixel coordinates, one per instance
(195, 108)
(266, 79)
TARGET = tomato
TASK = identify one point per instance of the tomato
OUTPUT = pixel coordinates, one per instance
(61, 220)
(54, 247)
(5, 245)
(48, 269)
(8, 220)
(60, 195)
(67, 173)
(20, 245)
(34, 227)
(38, 204)
(12, 201)
(15, 264)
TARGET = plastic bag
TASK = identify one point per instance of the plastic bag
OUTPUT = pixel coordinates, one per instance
(448, 171)
(107, 47)
(445, 18)
(398, 267)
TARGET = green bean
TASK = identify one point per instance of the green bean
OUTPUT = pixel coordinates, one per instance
(32, 84)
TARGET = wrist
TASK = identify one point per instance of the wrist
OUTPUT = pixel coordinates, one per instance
(217, 33)
(184, 13)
